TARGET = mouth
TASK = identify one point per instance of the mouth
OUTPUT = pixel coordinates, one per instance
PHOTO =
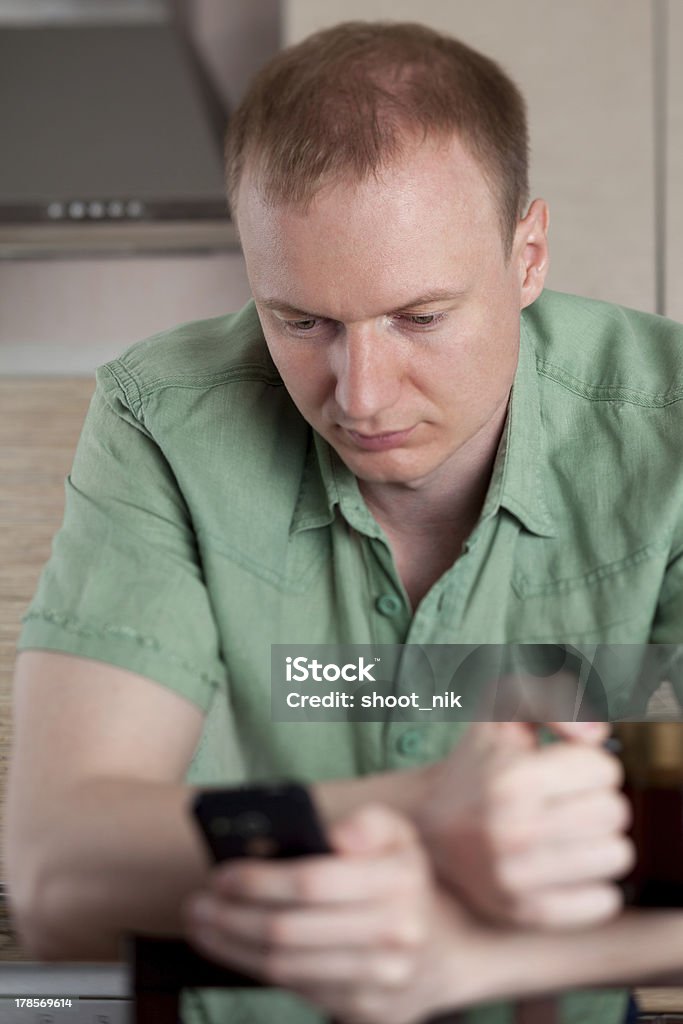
(379, 442)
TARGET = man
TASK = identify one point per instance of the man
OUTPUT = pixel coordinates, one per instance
(372, 452)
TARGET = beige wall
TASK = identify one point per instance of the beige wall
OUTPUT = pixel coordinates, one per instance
(586, 70)
(68, 316)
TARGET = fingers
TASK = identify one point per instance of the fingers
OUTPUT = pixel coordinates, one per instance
(541, 831)
(588, 816)
(380, 856)
(566, 864)
(557, 770)
(561, 886)
(325, 921)
(313, 880)
(395, 926)
(287, 967)
(553, 869)
(373, 828)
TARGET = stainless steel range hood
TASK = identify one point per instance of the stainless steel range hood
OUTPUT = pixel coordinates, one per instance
(111, 135)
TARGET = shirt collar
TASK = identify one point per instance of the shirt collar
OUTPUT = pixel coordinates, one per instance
(328, 484)
(516, 480)
(520, 463)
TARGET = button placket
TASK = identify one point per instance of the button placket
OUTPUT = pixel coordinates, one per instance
(410, 743)
(389, 605)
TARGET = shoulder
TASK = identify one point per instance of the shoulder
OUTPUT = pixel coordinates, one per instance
(602, 350)
(197, 355)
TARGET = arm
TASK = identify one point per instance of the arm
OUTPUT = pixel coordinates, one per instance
(637, 947)
(98, 834)
(366, 933)
(97, 837)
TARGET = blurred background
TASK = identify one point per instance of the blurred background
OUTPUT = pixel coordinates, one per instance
(113, 221)
(112, 218)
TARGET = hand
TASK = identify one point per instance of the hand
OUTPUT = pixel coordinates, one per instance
(363, 933)
(530, 835)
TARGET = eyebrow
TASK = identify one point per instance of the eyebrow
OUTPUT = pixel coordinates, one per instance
(438, 295)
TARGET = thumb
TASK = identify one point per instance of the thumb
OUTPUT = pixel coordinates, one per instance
(499, 736)
(582, 732)
(372, 829)
(517, 735)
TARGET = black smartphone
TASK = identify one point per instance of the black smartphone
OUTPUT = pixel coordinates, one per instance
(259, 821)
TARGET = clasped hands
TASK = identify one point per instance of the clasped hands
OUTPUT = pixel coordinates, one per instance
(402, 920)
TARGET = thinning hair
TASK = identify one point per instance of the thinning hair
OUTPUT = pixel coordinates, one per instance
(349, 100)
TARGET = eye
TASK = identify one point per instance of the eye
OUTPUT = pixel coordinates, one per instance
(302, 325)
(306, 325)
(424, 320)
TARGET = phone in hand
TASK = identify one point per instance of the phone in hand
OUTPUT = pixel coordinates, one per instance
(259, 821)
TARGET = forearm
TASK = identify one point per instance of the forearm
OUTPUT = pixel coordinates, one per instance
(635, 947)
(119, 857)
(403, 791)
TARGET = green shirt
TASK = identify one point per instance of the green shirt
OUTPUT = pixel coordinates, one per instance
(206, 521)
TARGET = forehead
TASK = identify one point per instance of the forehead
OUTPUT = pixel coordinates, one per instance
(429, 168)
(417, 223)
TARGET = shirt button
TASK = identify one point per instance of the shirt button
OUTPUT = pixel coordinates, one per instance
(388, 604)
(409, 743)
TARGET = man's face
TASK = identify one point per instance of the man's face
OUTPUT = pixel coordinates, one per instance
(391, 313)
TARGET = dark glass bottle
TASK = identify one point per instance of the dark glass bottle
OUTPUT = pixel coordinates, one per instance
(652, 755)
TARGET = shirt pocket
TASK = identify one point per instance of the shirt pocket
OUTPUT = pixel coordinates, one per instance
(287, 564)
(613, 601)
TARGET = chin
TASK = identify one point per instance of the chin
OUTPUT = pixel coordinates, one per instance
(378, 469)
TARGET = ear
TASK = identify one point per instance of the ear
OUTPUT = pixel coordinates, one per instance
(530, 251)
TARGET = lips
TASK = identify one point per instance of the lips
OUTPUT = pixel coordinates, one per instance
(379, 442)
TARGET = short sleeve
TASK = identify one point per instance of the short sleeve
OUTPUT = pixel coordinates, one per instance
(124, 582)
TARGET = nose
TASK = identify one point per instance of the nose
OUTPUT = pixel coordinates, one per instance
(368, 376)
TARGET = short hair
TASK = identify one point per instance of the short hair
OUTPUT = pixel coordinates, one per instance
(347, 100)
